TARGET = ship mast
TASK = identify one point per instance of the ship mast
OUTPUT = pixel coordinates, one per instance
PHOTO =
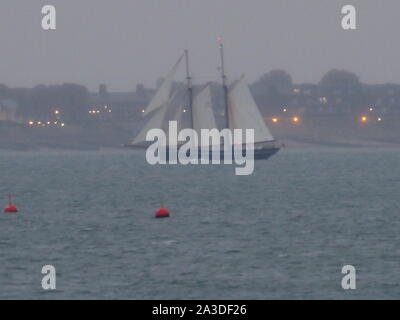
(224, 84)
(189, 88)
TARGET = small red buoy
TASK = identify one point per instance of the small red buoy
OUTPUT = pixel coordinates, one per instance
(11, 208)
(162, 213)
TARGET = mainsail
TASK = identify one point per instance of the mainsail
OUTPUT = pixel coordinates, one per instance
(176, 109)
(244, 113)
(163, 94)
(203, 114)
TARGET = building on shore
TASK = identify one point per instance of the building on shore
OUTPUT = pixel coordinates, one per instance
(124, 106)
(8, 110)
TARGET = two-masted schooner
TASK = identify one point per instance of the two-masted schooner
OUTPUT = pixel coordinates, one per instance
(241, 111)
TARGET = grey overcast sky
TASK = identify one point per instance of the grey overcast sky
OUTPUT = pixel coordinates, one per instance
(125, 42)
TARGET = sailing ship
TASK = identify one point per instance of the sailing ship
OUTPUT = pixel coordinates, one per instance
(241, 112)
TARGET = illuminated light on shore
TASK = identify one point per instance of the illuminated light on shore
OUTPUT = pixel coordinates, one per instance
(275, 120)
(56, 111)
(143, 111)
(109, 110)
(62, 124)
(371, 109)
(296, 90)
(48, 122)
(184, 110)
(364, 119)
(323, 100)
(284, 110)
(296, 119)
(39, 123)
(31, 123)
(379, 119)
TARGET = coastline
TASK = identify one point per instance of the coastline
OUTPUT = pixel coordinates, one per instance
(312, 132)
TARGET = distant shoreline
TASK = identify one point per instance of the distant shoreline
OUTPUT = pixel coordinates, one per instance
(286, 144)
(311, 132)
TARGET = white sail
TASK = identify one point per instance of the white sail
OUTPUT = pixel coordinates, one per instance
(244, 113)
(176, 107)
(178, 116)
(203, 114)
(156, 122)
(162, 116)
(163, 93)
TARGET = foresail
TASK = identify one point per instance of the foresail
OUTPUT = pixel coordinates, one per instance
(203, 114)
(163, 94)
(160, 118)
(156, 122)
(244, 113)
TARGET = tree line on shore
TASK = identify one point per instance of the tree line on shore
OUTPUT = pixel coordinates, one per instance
(338, 90)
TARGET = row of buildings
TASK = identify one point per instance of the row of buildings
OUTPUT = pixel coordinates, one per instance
(303, 100)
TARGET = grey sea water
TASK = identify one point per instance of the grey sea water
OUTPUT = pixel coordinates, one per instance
(284, 232)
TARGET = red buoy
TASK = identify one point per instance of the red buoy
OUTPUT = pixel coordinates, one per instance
(162, 213)
(11, 208)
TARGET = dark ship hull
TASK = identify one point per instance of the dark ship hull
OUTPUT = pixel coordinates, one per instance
(262, 153)
(259, 154)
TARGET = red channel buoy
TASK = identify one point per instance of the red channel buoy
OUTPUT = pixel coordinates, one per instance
(11, 208)
(162, 213)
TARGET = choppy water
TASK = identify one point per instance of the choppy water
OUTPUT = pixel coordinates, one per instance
(284, 232)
